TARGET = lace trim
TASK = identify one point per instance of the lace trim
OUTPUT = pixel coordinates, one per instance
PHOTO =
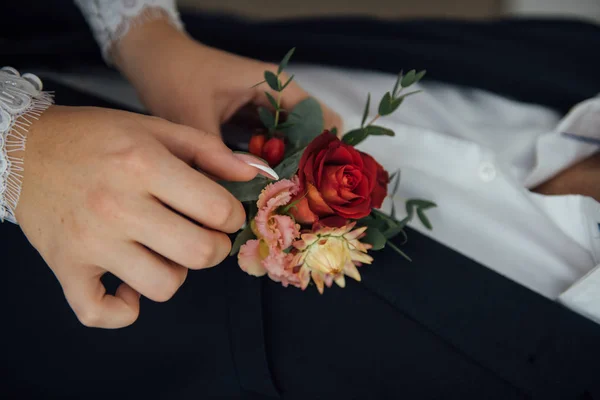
(110, 20)
(21, 102)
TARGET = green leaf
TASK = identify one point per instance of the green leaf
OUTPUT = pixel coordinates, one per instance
(397, 250)
(408, 94)
(288, 82)
(333, 131)
(306, 123)
(366, 112)
(420, 75)
(272, 80)
(409, 78)
(396, 103)
(272, 100)
(355, 136)
(266, 118)
(423, 218)
(240, 239)
(246, 191)
(375, 238)
(397, 84)
(375, 130)
(289, 166)
(423, 204)
(385, 105)
(284, 62)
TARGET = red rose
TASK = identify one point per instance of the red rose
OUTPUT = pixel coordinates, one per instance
(383, 179)
(337, 179)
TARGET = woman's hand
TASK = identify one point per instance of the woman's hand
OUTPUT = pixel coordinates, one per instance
(113, 191)
(192, 84)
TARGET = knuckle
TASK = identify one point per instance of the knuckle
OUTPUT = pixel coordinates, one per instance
(89, 316)
(135, 159)
(167, 287)
(204, 255)
(104, 204)
(224, 213)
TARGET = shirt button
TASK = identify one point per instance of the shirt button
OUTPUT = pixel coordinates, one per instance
(487, 172)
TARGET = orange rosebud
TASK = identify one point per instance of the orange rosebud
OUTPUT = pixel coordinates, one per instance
(273, 151)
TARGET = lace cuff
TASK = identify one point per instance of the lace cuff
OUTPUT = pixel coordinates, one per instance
(110, 20)
(21, 101)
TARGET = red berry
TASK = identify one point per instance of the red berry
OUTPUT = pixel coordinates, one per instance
(273, 151)
(257, 142)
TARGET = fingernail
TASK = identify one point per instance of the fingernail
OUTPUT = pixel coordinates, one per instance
(262, 166)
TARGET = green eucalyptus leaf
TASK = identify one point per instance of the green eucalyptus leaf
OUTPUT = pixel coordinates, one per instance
(272, 80)
(333, 131)
(305, 123)
(423, 204)
(385, 105)
(397, 84)
(420, 75)
(246, 191)
(409, 78)
(366, 112)
(289, 166)
(396, 103)
(283, 64)
(408, 94)
(423, 218)
(355, 136)
(372, 221)
(287, 82)
(266, 118)
(393, 212)
(272, 100)
(375, 130)
(375, 238)
(242, 237)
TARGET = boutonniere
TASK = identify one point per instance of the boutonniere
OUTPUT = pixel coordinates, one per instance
(320, 220)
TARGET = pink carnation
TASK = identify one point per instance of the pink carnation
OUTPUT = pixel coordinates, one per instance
(275, 233)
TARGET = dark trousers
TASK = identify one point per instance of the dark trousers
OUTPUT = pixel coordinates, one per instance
(442, 327)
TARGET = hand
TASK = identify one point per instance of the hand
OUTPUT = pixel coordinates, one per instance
(196, 85)
(112, 191)
(582, 178)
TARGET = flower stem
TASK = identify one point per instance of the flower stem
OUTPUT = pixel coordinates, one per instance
(374, 119)
(397, 250)
(278, 105)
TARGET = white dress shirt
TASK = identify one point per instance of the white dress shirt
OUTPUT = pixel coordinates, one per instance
(475, 154)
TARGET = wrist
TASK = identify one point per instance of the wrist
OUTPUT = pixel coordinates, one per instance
(148, 51)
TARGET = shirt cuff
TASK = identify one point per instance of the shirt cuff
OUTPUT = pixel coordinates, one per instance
(584, 296)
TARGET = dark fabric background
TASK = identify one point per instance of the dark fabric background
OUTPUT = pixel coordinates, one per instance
(550, 62)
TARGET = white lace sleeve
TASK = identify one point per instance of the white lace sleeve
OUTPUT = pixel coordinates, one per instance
(110, 20)
(21, 102)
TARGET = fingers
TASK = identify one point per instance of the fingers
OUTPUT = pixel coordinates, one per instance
(149, 274)
(196, 196)
(208, 152)
(176, 238)
(94, 308)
